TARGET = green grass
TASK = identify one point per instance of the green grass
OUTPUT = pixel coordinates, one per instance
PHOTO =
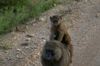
(60, 11)
(6, 47)
(15, 12)
(70, 6)
(66, 19)
(8, 19)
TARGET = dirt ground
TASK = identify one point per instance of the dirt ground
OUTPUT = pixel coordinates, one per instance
(83, 23)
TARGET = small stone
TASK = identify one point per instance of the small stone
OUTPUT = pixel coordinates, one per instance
(20, 57)
(13, 33)
(98, 14)
(17, 56)
(25, 44)
(94, 58)
(85, 0)
(41, 37)
(82, 13)
(17, 52)
(6, 51)
(98, 51)
(26, 47)
(28, 39)
(41, 19)
(55, 5)
(30, 35)
(48, 26)
(15, 38)
(44, 31)
(38, 53)
(18, 49)
(44, 40)
(33, 24)
(34, 20)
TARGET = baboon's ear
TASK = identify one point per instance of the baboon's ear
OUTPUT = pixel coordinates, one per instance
(50, 18)
(58, 54)
(61, 16)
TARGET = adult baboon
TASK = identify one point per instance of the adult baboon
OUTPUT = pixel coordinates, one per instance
(54, 53)
(60, 33)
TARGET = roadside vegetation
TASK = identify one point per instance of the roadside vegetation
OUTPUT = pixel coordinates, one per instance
(15, 12)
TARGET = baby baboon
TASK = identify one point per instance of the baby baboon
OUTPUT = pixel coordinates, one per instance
(55, 53)
(60, 33)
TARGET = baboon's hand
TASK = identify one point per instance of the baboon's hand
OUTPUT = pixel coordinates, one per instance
(52, 36)
(60, 36)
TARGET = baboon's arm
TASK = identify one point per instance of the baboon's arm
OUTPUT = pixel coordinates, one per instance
(52, 36)
(61, 36)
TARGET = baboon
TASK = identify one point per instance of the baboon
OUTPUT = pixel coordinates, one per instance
(54, 53)
(60, 33)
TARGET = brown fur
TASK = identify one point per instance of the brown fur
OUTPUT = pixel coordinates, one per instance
(61, 55)
(60, 33)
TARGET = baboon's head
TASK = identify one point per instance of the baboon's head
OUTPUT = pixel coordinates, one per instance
(52, 51)
(56, 20)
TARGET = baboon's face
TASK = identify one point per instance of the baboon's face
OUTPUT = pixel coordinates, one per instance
(49, 54)
(55, 20)
(51, 51)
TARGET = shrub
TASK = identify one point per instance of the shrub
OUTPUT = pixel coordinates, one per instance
(13, 12)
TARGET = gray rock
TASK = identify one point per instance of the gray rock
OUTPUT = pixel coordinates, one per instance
(25, 44)
(30, 35)
(41, 19)
(28, 39)
(98, 14)
(18, 49)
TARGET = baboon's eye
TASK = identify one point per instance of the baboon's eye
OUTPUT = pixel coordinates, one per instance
(55, 21)
(52, 54)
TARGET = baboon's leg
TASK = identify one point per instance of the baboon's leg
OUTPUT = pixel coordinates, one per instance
(55, 38)
(71, 52)
(66, 40)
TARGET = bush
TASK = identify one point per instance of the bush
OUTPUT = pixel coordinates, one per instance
(13, 12)
(13, 2)
(9, 19)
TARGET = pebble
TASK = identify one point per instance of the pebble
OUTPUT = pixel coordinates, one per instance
(48, 26)
(34, 20)
(17, 56)
(33, 24)
(85, 0)
(82, 13)
(44, 31)
(6, 51)
(44, 40)
(28, 39)
(55, 5)
(30, 35)
(26, 47)
(38, 53)
(94, 58)
(98, 51)
(41, 37)
(41, 19)
(17, 52)
(15, 37)
(18, 49)
(25, 44)
(98, 14)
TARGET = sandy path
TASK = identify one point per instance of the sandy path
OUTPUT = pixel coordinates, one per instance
(83, 27)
